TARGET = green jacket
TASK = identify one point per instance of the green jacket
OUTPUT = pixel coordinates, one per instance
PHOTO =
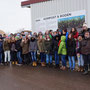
(62, 47)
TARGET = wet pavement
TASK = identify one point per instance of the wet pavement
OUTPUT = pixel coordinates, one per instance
(41, 78)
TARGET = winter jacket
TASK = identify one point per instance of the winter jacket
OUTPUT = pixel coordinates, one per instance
(33, 45)
(62, 47)
(12, 46)
(18, 46)
(71, 47)
(25, 47)
(55, 44)
(6, 46)
(1, 46)
(85, 46)
(41, 45)
(48, 46)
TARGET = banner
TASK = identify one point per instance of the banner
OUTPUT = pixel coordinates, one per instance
(61, 21)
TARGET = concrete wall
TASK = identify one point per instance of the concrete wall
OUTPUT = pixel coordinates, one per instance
(54, 7)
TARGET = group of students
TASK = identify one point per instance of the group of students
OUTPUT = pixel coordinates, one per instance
(59, 45)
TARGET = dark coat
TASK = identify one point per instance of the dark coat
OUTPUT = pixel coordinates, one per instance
(71, 47)
(18, 46)
(85, 46)
(55, 44)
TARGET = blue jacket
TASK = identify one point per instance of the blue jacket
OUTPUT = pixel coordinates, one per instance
(1, 46)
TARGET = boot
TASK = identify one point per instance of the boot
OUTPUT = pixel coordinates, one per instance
(16, 62)
(82, 69)
(35, 64)
(43, 64)
(13, 62)
(79, 69)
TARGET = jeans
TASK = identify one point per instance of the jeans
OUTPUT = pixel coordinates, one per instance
(86, 61)
(13, 56)
(56, 57)
(19, 57)
(63, 59)
(48, 58)
(42, 55)
(33, 55)
(0, 57)
(80, 60)
(71, 62)
(7, 56)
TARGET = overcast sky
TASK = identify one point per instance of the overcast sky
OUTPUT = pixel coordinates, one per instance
(13, 17)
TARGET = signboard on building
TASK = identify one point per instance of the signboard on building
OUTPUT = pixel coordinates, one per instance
(66, 20)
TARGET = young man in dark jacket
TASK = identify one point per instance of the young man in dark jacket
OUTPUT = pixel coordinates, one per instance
(55, 49)
(85, 50)
(19, 49)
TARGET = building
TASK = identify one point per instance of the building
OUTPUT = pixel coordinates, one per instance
(42, 10)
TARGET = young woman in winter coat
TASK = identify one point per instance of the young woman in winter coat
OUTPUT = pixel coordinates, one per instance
(74, 33)
(79, 55)
(6, 48)
(71, 51)
(33, 50)
(25, 50)
(41, 47)
(63, 51)
(48, 50)
(13, 50)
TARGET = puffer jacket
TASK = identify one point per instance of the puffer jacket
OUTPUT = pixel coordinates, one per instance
(62, 47)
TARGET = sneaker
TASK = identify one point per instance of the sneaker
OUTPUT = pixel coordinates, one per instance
(85, 73)
(19, 64)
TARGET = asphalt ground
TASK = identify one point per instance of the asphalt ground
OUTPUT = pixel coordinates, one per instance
(41, 78)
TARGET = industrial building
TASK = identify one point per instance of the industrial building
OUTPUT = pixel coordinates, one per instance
(50, 14)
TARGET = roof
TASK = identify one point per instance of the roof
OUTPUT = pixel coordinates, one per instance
(2, 32)
(24, 3)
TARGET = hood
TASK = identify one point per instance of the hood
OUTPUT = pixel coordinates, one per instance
(63, 38)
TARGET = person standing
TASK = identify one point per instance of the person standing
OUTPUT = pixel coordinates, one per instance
(71, 51)
(85, 50)
(63, 52)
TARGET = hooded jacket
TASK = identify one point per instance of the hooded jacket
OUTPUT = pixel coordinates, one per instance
(62, 47)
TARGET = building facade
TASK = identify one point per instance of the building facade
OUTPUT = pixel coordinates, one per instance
(44, 8)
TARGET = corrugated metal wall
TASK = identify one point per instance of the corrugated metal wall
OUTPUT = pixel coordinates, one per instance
(54, 7)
